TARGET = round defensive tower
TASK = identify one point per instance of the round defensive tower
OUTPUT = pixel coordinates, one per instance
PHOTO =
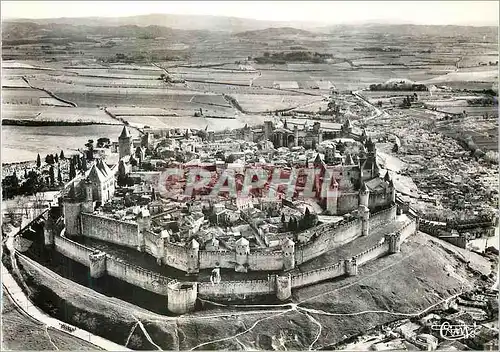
(182, 296)
(283, 287)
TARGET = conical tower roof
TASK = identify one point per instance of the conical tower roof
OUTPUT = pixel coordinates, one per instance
(72, 191)
(103, 167)
(288, 242)
(348, 160)
(387, 177)
(125, 133)
(370, 146)
(318, 159)
(242, 241)
(193, 244)
(347, 123)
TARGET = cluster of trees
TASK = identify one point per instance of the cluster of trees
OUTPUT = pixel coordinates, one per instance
(123, 58)
(378, 49)
(399, 87)
(33, 183)
(165, 78)
(50, 159)
(295, 225)
(293, 56)
(408, 100)
(484, 101)
(36, 180)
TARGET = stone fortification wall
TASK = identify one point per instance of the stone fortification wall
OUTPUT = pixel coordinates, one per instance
(137, 276)
(375, 252)
(71, 218)
(431, 227)
(176, 256)
(328, 237)
(383, 217)
(114, 267)
(110, 230)
(318, 275)
(407, 230)
(236, 289)
(221, 259)
(262, 261)
(182, 297)
(324, 238)
(151, 243)
(73, 250)
(379, 198)
(347, 202)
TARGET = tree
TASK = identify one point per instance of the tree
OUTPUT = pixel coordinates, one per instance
(84, 163)
(103, 142)
(90, 149)
(49, 159)
(10, 186)
(61, 156)
(52, 176)
(38, 161)
(72, 171)
(56, 158)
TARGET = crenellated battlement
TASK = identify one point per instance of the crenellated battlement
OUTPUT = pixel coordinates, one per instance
(182, 296)
(102, 217)
(181, 256)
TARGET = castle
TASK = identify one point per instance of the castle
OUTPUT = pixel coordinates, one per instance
(354, 187)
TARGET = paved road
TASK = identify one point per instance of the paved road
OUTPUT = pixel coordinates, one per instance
(20, 299)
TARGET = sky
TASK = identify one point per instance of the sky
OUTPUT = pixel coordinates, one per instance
(474, 13)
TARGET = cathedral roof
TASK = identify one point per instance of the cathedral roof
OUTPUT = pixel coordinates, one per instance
(106, 171)
(96, 175)
(125, 133)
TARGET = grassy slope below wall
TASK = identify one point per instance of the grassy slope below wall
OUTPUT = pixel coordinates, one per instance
(410, 281)
(22, 333)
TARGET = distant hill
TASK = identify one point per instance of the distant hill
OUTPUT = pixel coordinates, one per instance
(27, 32)
(186, 22)
(486, 33)
(276, 33)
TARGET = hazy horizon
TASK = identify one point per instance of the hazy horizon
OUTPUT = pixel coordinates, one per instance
(461, 13)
